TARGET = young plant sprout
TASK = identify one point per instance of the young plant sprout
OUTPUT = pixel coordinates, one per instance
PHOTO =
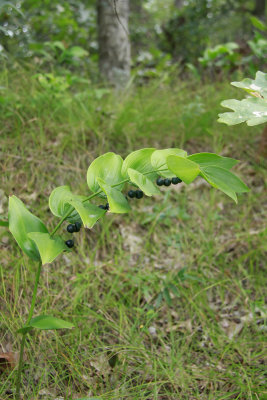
(107, 177)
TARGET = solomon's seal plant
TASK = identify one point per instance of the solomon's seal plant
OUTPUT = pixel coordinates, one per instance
(146, 170)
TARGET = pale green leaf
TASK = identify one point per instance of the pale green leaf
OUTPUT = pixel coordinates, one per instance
(224, 180)
(253, 111)
(208, 159)
(107, 167)
(117, 202)
(59, 202)
(21, 222)
(185, 169)
(159, 160)
(62, 199)
(143, 182)
(49, 247)
(257, 85)
(140, 160)
(88, 212)
(46, 322)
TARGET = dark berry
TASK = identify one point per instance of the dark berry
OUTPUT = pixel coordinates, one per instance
(107, 207)
(78, 226)
(139, 194)
(101, 206)
(176, 180)
(167, 182)
(71, 228)
(69, 243)
(132, 194)
(160, 181)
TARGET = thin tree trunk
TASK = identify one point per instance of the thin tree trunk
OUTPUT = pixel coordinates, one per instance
(114, 43)
(259, 8)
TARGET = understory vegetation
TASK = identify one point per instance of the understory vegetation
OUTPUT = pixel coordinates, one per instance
(168, 301)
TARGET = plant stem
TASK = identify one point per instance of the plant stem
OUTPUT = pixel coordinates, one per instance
(22, 344)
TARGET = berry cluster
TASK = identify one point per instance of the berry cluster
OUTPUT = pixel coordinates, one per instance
(106, 207)
(138, 194)
(168, 182)
(135, 193)
(71, 228)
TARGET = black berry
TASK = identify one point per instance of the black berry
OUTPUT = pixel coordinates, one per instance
(132, 194)
(176, 180)
(160, 181)
(107, 207)
(167, 182)
(69, 243)
(71, 228)
(101, 206)
(78, 226)
(139, 194)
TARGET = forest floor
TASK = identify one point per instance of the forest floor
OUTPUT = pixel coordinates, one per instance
(168, 301)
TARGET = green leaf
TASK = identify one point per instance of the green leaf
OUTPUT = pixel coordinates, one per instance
(185, 169)
(258, 23)
(107, 167)
(258, 85)
(46, 322)
(143, 182)
(253, 111)
(22, 222)
(224, 180)
(208, 159)
(77, 51)
(159, 160)
(49, 247)
(61, 199)
(88, 212)
(140, 160)
(117, 202)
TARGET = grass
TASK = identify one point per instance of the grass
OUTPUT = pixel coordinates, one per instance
(173, 293)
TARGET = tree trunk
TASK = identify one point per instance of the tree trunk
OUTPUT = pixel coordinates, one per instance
(259, 8)
(113, 39)
(178, 3)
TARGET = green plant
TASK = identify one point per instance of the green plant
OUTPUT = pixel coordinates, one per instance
(106, 178)
(222, 56)
(253, 109)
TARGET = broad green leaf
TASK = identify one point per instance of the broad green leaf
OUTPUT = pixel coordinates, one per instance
(106, 167)
(185, 169)
(159, 160)
(62, 199)
(77, 51)
(59, 201)
(46, 322)
(253, 111)
(117, 202)
(88, 212)
(258, 85)
(49, 247)
(22, 222)
(208, 159)
(258, 23)
(143, 182)
(140, 160)
(224, 180)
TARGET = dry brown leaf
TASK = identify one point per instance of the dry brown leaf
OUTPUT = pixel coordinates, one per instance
(8, 360)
